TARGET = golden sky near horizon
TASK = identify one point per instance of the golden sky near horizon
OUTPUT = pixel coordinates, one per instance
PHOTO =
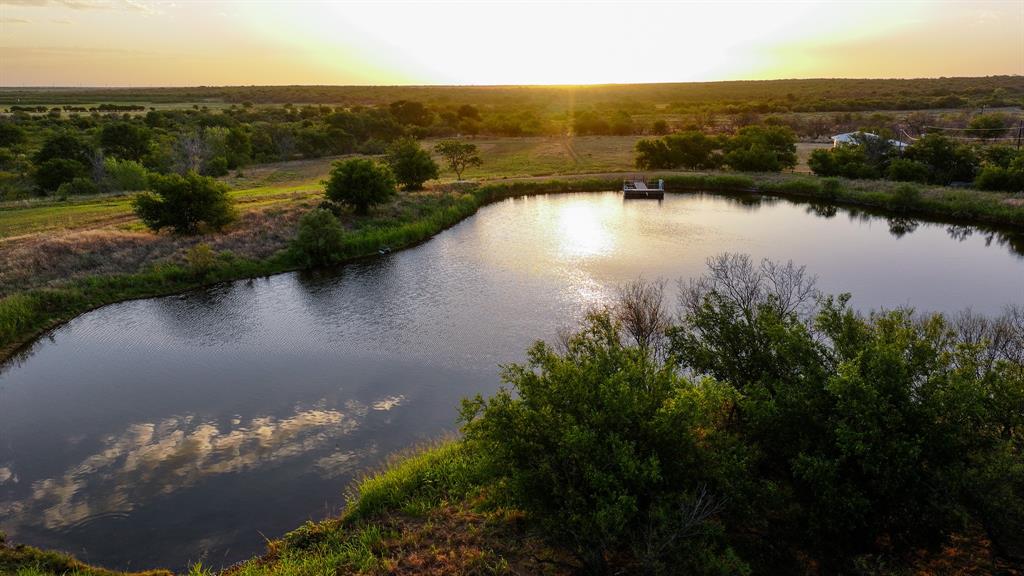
(221, 42)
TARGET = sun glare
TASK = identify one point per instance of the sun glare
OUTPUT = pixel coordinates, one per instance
(305, 42)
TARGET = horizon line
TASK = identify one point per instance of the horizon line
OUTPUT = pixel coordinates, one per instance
(525, 85)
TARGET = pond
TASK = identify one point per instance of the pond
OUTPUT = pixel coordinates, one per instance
(163, 431)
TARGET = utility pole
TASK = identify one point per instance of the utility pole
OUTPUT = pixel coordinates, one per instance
(1020, 132)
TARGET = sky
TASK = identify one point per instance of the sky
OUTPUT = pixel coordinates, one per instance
(268, 42)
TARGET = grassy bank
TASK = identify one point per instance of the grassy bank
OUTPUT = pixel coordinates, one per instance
(414, 218)
(432, 511)
(26, 314)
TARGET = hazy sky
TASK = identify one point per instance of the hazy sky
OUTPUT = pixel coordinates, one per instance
(217, 42)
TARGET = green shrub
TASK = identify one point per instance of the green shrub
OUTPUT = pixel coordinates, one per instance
(78, 187)
(611, 452)
(411, 164)
(360, 183)
(692, 150)
(125, 175)
(831, 188)
(1000, 179)
(320, 239)
(11, 135)
(187, 204)
(947, 161)
(756, 158)
(216, 166)
(761, 149)
(869, 428)
(201, 259)
(52, 173)
(373, 147)
(125, 140)
(846, 161)
(905, 196)
(906, 170)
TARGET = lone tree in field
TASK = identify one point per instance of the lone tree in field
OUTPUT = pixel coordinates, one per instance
(187, 204)
(360, 184)
(411, 164)
(458, 155)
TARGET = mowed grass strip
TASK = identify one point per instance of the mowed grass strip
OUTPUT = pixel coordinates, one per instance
(100, 211)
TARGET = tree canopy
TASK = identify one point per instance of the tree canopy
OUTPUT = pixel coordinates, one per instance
(360, 183)
(458, 155)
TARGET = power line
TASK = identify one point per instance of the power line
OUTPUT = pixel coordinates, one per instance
(968, 129)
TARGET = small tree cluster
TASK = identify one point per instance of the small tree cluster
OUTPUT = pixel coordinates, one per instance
(752, 149)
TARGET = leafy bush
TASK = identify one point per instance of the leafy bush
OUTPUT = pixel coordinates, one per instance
(11, 135)
(1000, 179)
(411, 164)
(845, 161)
(201, 259)
(64, 146)
(762, 149)
(691, 150)
(838, 434)
(216, 167)
(947, 161)
(756, 158)
(125, 174)
(78, 187)
(187, 204)
(988, 126)
(831, 188)
(874, 426)
(611, 452)
(906, 170)
(360, 183)
(373, 147)
(905, 196)
(125, 140)
(52, 173)
(320, 239)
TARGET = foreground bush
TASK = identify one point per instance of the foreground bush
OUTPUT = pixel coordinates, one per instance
(185, 204)
(611, 452)
(802, 433)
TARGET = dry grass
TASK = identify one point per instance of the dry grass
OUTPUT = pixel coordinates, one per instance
(39, 260)
(456, 539)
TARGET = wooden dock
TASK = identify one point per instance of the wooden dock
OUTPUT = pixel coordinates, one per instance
(639, 188)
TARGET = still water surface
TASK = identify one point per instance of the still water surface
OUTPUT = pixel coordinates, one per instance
(163, 431)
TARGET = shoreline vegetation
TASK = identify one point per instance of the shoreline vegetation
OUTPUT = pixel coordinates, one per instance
(644, 444)
(27, 314)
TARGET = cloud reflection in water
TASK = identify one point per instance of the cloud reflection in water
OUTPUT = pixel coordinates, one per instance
(152, 459)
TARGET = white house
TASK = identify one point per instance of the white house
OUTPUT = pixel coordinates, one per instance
(850, 138)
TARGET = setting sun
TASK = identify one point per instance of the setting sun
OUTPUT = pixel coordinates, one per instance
(659, 288)
(66, 43)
